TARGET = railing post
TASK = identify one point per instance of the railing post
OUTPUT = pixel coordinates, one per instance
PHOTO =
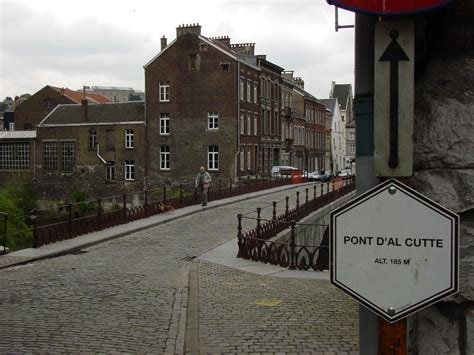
(35, 228)
(322, 188)
(259, 210)
(238, 182)
(69, 211)
(297, 200)
(164, 193)
(274, 210)
(314, 192)
(230, 185)
(306, 200)
(5, 218)
(219, 185)
(124, 201)
(99, 212)
(240, 241)
(292, 265)
(287, 205)
(181, 195)
(145, 196)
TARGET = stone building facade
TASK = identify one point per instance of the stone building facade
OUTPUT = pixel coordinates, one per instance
(97, 149)
(444, 163)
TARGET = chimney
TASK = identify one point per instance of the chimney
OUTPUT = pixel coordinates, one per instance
(244, 48)
(85, 114)
(298, 81)
(164, 42)
(193, 28)
(333, 84)
(225, 40)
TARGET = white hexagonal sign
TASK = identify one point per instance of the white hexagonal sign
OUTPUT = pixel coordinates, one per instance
(394, 250)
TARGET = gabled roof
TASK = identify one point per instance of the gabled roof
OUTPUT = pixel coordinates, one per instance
(78, 96)
(15, 104)
(330, 103)
(342, 92)
(133, 111)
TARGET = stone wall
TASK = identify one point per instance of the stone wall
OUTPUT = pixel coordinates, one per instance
(444, 165)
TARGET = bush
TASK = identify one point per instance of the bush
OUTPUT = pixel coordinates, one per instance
(81, 207)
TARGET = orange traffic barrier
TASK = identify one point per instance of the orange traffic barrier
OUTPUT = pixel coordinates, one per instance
(296, 177)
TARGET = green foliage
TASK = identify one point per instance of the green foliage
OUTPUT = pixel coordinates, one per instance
(16, 200)
(81, 207)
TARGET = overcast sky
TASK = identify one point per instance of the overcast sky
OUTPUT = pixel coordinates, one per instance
(107, 42)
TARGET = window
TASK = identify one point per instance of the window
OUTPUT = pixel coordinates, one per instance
(242, 123)
(255, 118)
(202, 47)
(50, 156)
(213, 157)
(47, 103)
(213, 120)
(255, 93)
(68, 155)
(110, 171)
(194, 61)
(129, 139)
(11, 126)
(352, 149)
(14, 156)
(249, 123)
(129, 170)
(249, 157)
(242, 157)
(164, 124)
(164, 91)
(225, 67)
(242, 89)
(249, 92)
(92, 139)
(164, 157)
(110, 139)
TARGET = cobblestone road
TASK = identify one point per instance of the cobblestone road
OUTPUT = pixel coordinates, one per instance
(130, 295)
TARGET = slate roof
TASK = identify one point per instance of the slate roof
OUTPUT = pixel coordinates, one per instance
(342, 91)
(133, 111)
(330, 103)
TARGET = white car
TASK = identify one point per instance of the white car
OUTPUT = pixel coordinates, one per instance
(344, 173)
(282, 170)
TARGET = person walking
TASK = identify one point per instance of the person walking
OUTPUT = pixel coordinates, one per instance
(203, 181)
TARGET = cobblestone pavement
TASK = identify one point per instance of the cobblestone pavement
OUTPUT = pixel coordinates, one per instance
(130, 295)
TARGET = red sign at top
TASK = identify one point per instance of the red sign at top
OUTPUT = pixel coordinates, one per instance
(388, 7)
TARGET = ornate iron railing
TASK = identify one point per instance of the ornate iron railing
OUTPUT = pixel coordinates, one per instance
(256, 244)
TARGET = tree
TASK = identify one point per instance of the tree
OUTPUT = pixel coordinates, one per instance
(134, 97)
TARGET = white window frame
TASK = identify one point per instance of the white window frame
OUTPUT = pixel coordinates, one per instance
(255, 93)
(242, 122)
(164, 124)
(164, 91)
(14, 156)
(68, 155)
(249, 92)
(249, 157)
(213, 157)
(249, 123)
(129, 170)
(129, 139)
(242, 158)
(50, 155)
(110, 171)
(255, 123)
(92, 139)
(242, 89)
(165, 157)
(213, 121)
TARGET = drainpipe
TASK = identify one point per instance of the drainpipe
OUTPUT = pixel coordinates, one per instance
(34, 159)
(238, 121)
(98, 155)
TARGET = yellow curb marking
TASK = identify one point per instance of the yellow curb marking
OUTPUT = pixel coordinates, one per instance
(267, 303)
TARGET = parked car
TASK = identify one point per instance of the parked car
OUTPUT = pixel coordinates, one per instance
(283, 171)
(316, 176)
(327, 176)
(344, 173)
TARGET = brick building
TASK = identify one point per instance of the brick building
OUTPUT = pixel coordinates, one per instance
(17, 155)
(99, 149)
(34, 109)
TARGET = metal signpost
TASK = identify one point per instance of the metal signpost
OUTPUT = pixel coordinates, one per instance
(375, 239)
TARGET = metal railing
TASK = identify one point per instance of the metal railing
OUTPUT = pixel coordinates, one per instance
(53, 224)
(256, 244)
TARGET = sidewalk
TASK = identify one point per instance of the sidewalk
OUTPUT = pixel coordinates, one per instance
(71, 245)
